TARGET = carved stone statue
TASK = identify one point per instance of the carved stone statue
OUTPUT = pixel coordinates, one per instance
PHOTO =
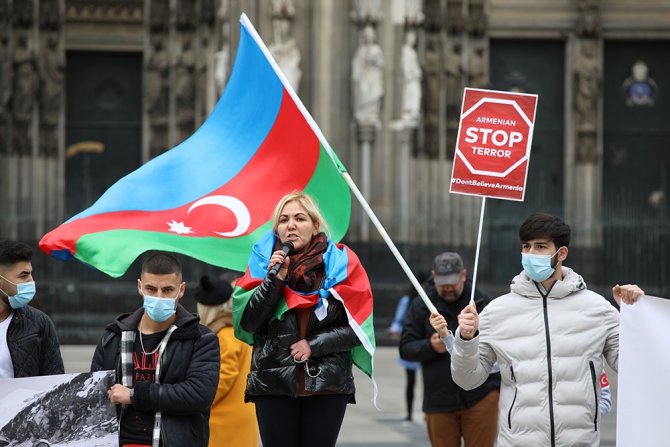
(25, 86)
(431, 82)
(367, 73)
(367, 11)
(5, 92)
(411, 82)
(477, 66)
(283, 8)
(52, 67)
(184, 84)
(222, 56)
(587, 82)
(157, 79)
(285, 51)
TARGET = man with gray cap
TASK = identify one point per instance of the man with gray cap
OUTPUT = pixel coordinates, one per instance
(451, 412)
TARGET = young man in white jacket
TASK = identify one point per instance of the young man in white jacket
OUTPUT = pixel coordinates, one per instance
(549, 336)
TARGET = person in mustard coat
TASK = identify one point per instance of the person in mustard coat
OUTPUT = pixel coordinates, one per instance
(231, 422)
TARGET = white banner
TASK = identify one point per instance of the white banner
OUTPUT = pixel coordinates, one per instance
(644, 366)
(66, 410)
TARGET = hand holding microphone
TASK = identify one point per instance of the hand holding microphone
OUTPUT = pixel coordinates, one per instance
(286, 249)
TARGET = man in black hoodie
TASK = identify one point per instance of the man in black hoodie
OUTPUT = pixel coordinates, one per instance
(166, 363)
(451, 412)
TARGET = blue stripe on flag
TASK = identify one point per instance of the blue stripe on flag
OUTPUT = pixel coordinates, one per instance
(218, 150)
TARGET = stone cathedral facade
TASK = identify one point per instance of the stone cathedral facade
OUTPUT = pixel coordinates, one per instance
(91, 89)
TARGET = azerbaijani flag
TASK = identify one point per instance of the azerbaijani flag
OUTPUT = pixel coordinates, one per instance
(212, 196)
(345, 279)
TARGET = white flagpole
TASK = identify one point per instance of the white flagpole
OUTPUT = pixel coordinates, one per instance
(479, 242)
(246, 23)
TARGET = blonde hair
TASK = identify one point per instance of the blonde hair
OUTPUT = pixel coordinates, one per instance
(216, 316)
(306, 202)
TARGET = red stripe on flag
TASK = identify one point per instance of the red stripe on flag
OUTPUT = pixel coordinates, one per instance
(356, 290)
(285, 161)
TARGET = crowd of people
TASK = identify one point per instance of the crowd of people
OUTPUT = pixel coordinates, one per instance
(268, 357)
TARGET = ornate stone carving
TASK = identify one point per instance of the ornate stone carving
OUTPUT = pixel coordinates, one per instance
(587, 85)
(367, 73)
(185, 87)
(111, 11)
(284, 9)
(5, 89)
(23, 13)
(185, 14)
(588, 22)
(25, 86)
(477, 65)
(52, 67)
(50, 15)
(285, 51)
(367, 11)
(432, 64)
(222, 56)
(411, 82)
(159, 15)
(157, 75)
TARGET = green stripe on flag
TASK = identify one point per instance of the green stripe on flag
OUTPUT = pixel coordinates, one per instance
(104, 251)
(330, 190)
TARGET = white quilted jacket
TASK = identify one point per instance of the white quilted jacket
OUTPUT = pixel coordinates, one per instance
(550, 351)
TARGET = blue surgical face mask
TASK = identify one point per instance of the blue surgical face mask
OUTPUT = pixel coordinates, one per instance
(24, 294)
(538, 267)
(159, 309)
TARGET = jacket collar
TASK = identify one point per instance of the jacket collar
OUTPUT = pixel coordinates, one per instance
(572, 282)
(186, 322)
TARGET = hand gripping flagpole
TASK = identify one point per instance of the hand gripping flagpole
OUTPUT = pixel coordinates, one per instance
(244, 20)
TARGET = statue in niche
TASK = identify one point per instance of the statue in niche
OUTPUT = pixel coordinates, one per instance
(639, 89)
(25, 86)
(367, 73)
(367, 11)
(411, 82)
(222, 57)
(184, 84)
(477, 66)
(587, 80)
(285, 51)
(283, 8)
(157, 79)
(5, 91)
(414, 12)
(51, 78)
(431, 82)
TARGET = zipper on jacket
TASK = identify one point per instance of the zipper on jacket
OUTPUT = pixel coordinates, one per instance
(595, 383)
(516, 390)
(549, 368)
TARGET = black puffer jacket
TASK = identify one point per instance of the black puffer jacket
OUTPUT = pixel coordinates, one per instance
(440, 393)
(33, 344)
(273, 370)
(189, 377)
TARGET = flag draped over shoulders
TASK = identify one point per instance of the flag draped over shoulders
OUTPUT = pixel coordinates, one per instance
(345, 279)
(211, 197)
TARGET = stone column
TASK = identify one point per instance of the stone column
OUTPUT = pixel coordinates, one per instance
(367, 76)
(184, 70)
(49, 184)
(156, 77)
(5, 116)
(284, 48)
(25, 85)
(410, 108)
(584, 188)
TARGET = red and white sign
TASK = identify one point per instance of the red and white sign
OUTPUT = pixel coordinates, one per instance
(493, 144)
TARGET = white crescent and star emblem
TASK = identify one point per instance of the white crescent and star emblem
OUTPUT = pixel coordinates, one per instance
(235, 205)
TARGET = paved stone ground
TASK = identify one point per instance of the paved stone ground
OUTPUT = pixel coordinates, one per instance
(364, 425)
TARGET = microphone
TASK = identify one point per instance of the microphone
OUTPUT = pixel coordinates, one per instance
(287, 248)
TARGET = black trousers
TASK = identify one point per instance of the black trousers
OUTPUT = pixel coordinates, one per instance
(311, 421)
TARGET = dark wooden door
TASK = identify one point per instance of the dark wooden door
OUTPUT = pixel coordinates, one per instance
(530, 67)
(103, 134)
(636, 164)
